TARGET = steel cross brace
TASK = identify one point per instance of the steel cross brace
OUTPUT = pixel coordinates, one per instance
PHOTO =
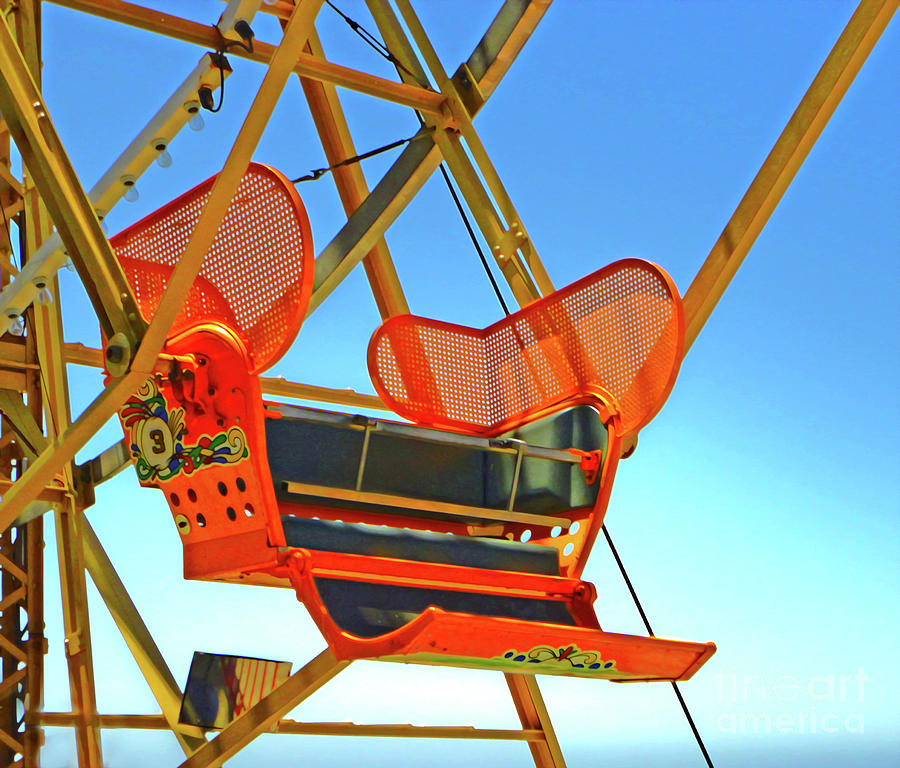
(484, 69)
(266, 716)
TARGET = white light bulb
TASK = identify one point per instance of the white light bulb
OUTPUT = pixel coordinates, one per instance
(16, 325)
(270, 2)
(195, 121)
(69, 265)
(44, 297)
(131, 193)
(163, 158)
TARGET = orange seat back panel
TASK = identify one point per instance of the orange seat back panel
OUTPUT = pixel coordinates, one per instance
(616, 335)
(258, 275)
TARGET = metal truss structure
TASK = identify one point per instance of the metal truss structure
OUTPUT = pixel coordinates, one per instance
(58, 219)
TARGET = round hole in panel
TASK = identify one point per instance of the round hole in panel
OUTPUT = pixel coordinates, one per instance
(241, 485)
(568, 549)
(201, 520)
(184, 525)
(574, 527)
(526, 536)
(248, 510)
(175, 500)
(232, 515)
(192, 494)
(223, 489)
(555, 531)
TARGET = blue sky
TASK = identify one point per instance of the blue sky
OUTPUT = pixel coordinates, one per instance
(760, 508)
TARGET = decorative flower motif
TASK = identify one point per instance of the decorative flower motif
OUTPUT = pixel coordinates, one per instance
(570, 656)
(156, 439)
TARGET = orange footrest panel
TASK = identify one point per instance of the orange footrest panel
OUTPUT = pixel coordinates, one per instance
(447, 638)
(461, 640)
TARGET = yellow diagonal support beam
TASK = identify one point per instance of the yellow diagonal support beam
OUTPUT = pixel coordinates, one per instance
(334, 134)
(48, 165)
(296, 33)
(803, 129)
(306, 65)
(265, 715)
(138, 638)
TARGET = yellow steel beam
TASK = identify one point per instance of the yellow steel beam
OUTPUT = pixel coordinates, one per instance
(79, 654)
(296, 33)
(48, 165)
(533, 715)
(502, 229)
(334, 133)
(44, 262)
(305, 64)
(271, 385)
(36, 644)
(137, 637)
(65, 446)
(265, 714)
(47, 392)
(785, 159)
(372, 730)
(501, 43)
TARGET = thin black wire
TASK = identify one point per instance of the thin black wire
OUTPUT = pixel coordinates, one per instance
(319, 172)
(637, 602)
(224, 46)
(370, 39)
(481, 255)
(221, 87)
(382, 49)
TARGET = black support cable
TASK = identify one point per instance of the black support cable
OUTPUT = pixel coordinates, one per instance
(319, 172)
(637, 603)
(373, 42)
(481, 255)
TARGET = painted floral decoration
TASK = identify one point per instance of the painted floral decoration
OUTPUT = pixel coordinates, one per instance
(157, 443)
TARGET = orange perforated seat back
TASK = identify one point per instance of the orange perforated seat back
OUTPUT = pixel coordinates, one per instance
(616, 335)
(257, 277)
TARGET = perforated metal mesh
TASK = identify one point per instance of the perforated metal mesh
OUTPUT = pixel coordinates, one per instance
(256, 278)
(618, 332)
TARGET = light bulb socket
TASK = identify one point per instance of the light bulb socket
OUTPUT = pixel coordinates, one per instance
(205, 94)
(159, 144)
(243, 28)
(128, 180)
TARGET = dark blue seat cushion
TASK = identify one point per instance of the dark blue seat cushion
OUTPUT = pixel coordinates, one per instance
(369, 610)
(420, 546)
